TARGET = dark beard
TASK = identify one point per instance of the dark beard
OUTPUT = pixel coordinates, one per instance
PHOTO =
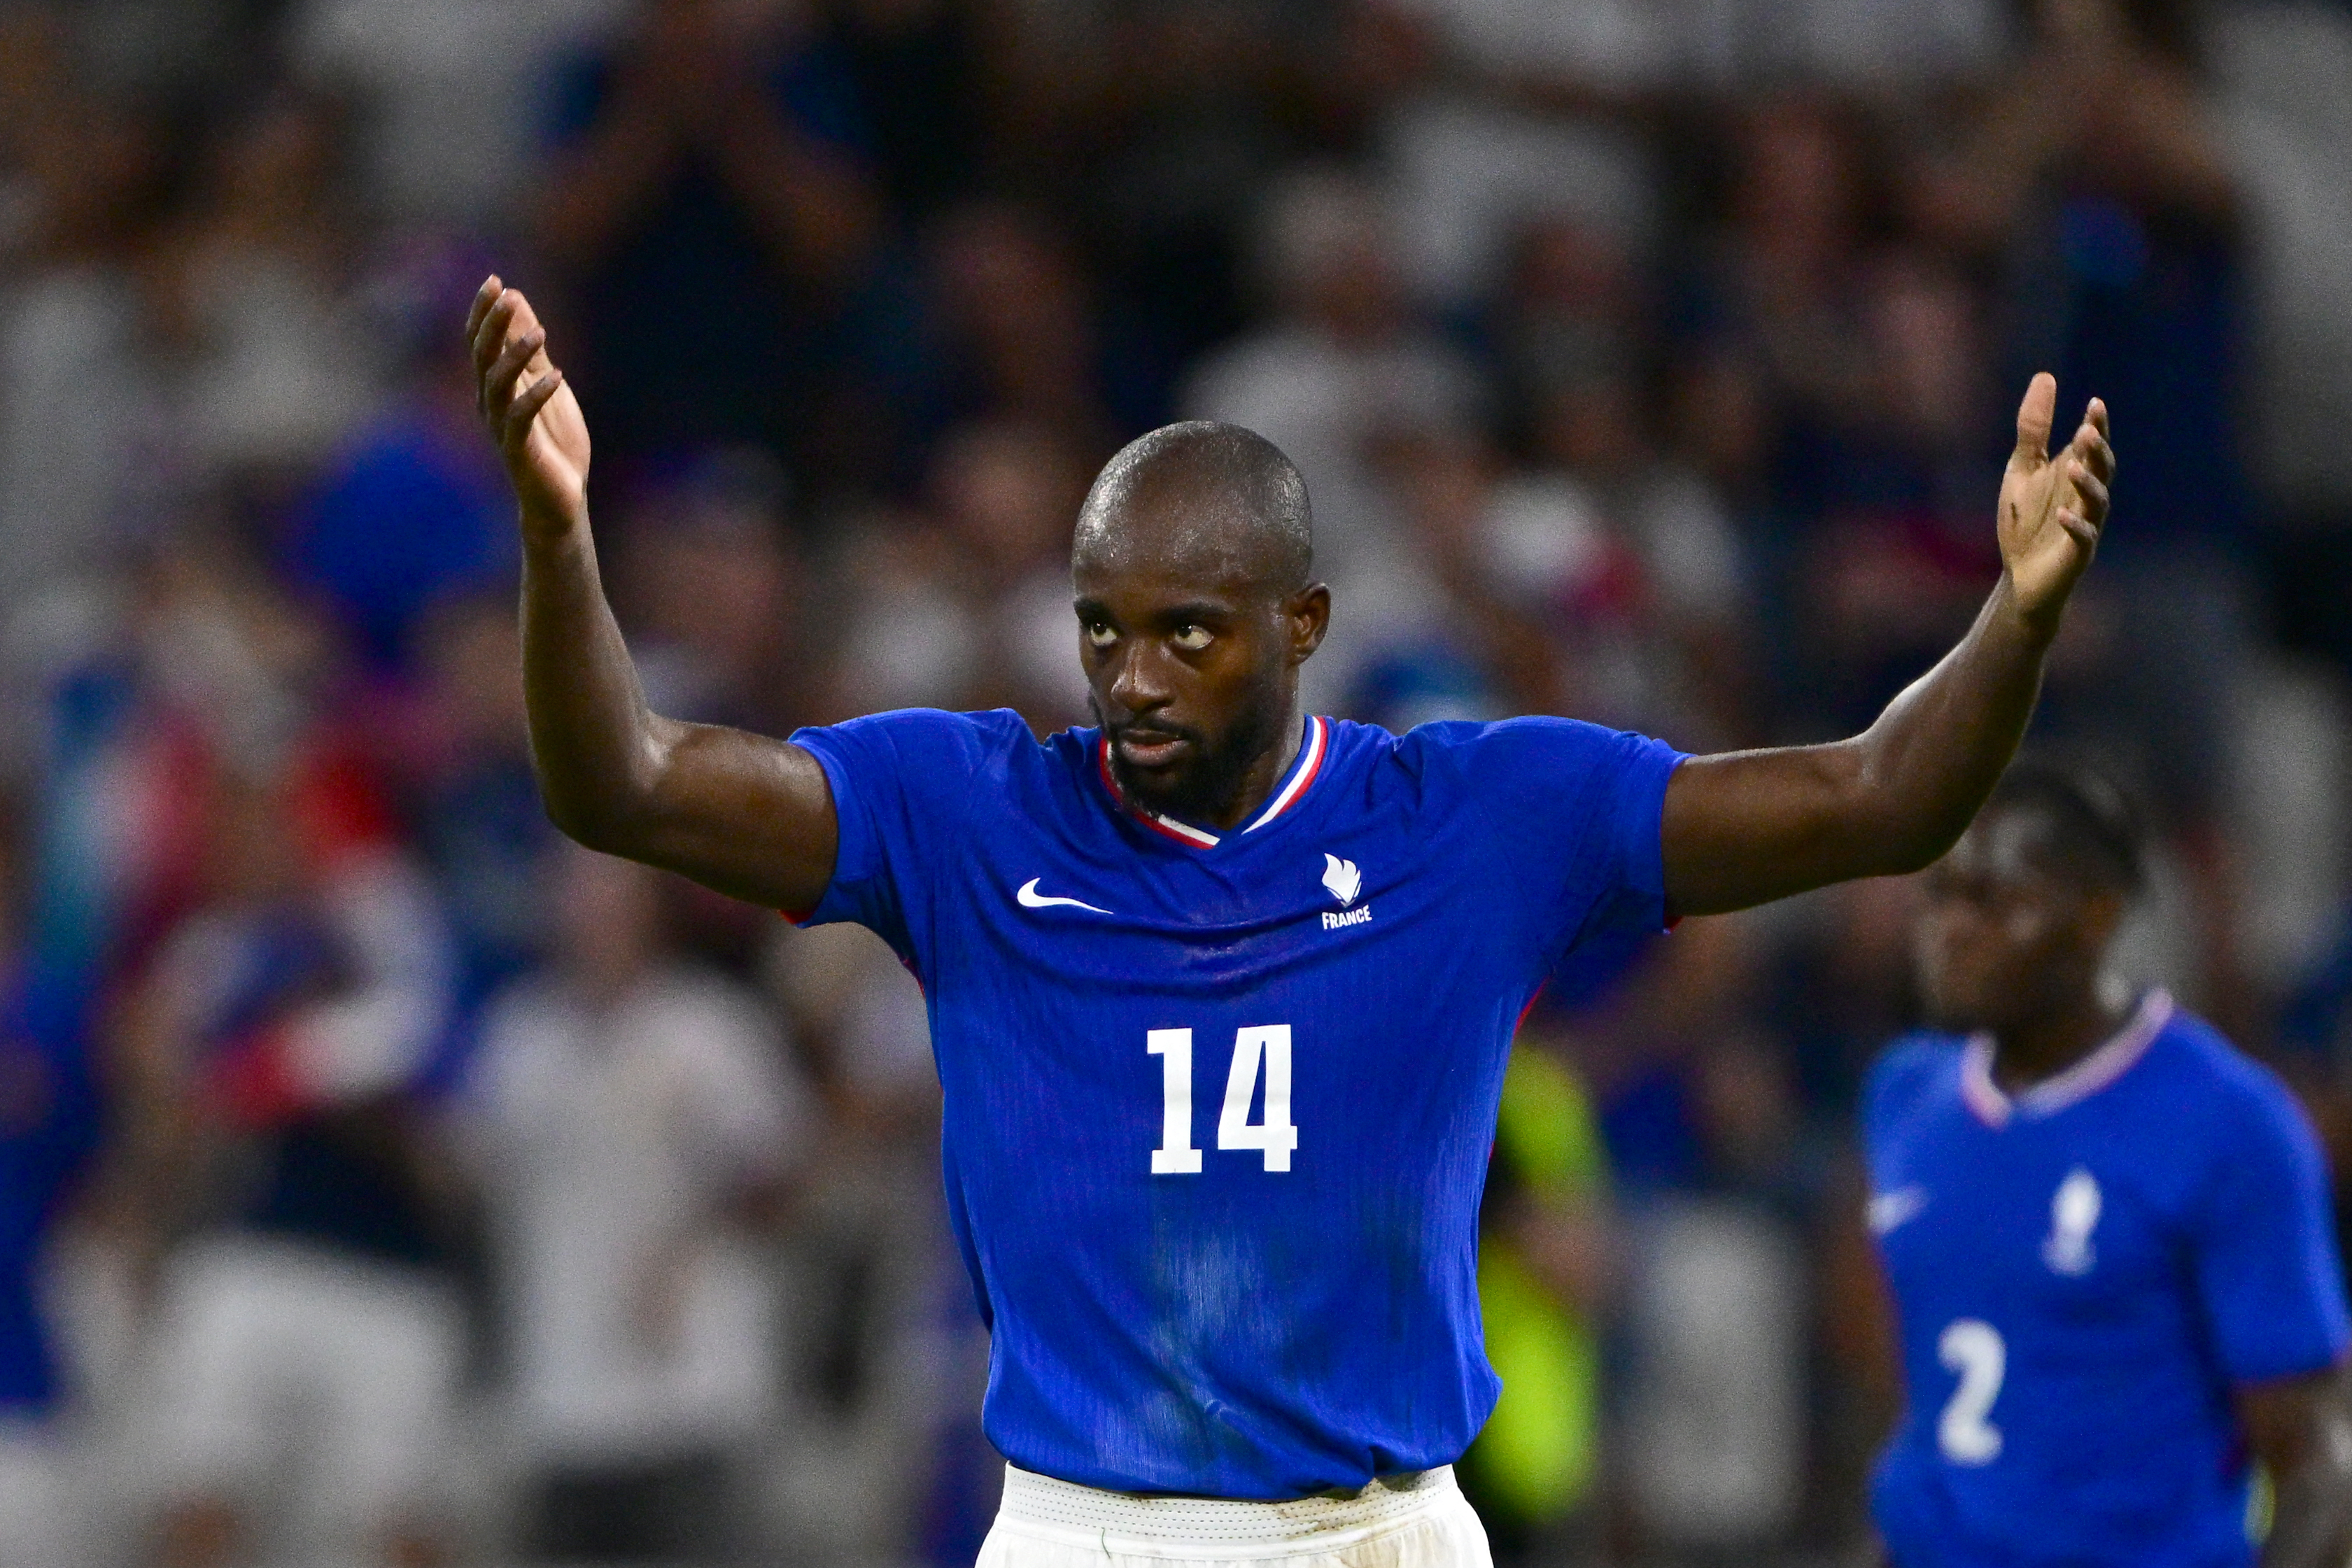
(1207, 792)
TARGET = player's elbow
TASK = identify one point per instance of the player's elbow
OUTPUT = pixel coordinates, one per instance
(610, 821)
(610, 803)
(1900, 828)
(1884, 838)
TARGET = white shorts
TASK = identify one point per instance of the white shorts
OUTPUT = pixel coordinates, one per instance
(1422, 1522)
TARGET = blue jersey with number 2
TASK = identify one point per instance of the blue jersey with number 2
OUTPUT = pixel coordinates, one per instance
(2084, 1273)
(1219, 1105)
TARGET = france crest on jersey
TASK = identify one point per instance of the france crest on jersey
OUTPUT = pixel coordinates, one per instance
(1218, 1106)
(2082, 1274)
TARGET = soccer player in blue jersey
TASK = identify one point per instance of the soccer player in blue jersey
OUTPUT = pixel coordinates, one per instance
(1220, 992)
(2107, 1234)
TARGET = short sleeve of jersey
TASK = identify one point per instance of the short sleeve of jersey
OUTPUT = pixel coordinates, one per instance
(901, 793)
(2266, 1244)
(1575, 812)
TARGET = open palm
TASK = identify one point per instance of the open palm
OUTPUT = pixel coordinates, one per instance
(2052, 508)
(529, 408)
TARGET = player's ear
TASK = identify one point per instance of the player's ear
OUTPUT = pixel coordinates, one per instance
(1309, 614)
(2103, 916)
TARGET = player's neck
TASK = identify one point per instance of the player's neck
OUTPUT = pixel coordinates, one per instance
(1260, 778)
(2054, 1040)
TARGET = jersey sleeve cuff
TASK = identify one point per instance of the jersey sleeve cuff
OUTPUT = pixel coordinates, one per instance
(853, 835)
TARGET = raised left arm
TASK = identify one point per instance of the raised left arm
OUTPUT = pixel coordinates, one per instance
(2301, 1430)
(1749, 827)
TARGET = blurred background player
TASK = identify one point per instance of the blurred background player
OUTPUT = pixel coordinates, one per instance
(2107, 1233)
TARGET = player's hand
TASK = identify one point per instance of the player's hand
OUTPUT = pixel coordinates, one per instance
(530, 410)
(2052, 508)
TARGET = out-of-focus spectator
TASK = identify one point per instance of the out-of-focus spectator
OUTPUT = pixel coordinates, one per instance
(278, 366)
(716, 155)
(1788, 269)
(82, 398)
(919, 69)
(48, 1125)
(460, 760)
(878, 1451)
(2105, 184)
(1895, 555)
(631, 1116)
(1839, 980)
(220, 854)
(308, 1343)
(1690, 578)
(2279, 72)
(410, 507)
(1526, 112)
(711, 590)
(1171, 116)
(1029, 337)
(1009, 492)
(910, 638)
(1006, 323)
(450, 97)
(1341, 369)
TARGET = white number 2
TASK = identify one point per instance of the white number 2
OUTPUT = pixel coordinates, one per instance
(1265, 1045)
(1973, 1349)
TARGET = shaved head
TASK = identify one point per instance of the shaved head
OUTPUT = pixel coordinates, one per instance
(1196, 605)
(1219, 498)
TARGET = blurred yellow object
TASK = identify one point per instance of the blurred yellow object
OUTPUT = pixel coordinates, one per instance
(1538, 1452)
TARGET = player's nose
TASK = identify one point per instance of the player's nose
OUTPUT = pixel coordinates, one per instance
(1139, 678)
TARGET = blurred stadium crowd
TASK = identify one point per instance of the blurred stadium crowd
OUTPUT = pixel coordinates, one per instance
(383, 1180)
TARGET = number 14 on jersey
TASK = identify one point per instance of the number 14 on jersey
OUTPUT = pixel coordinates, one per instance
(1267, 1044)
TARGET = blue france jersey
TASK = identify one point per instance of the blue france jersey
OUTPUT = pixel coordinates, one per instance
(2082, 1274)
(1218, 1107)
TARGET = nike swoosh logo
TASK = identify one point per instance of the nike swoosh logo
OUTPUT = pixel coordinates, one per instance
(1030, 898)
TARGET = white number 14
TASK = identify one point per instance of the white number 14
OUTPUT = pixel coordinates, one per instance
(1275, 1137)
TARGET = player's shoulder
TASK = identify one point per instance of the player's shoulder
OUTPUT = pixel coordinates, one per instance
(1500, 754)
(925, 731)
(923, 750)
(1913, 1071)
(2194, 1066)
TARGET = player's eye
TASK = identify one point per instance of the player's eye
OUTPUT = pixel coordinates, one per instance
(1099, 634)
(1191, 638)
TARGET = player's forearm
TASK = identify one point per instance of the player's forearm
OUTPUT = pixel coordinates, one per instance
(1751, 827)
(1924, 768)
(594, 744)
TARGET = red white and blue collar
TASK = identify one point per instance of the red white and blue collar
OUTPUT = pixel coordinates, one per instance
(2077, 1083)
(1302, 769)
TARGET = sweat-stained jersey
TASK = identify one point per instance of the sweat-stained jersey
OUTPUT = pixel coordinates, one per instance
(1219, 1106)
(2082, 1274)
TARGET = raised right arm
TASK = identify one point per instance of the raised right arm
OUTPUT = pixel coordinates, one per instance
(747, 815)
